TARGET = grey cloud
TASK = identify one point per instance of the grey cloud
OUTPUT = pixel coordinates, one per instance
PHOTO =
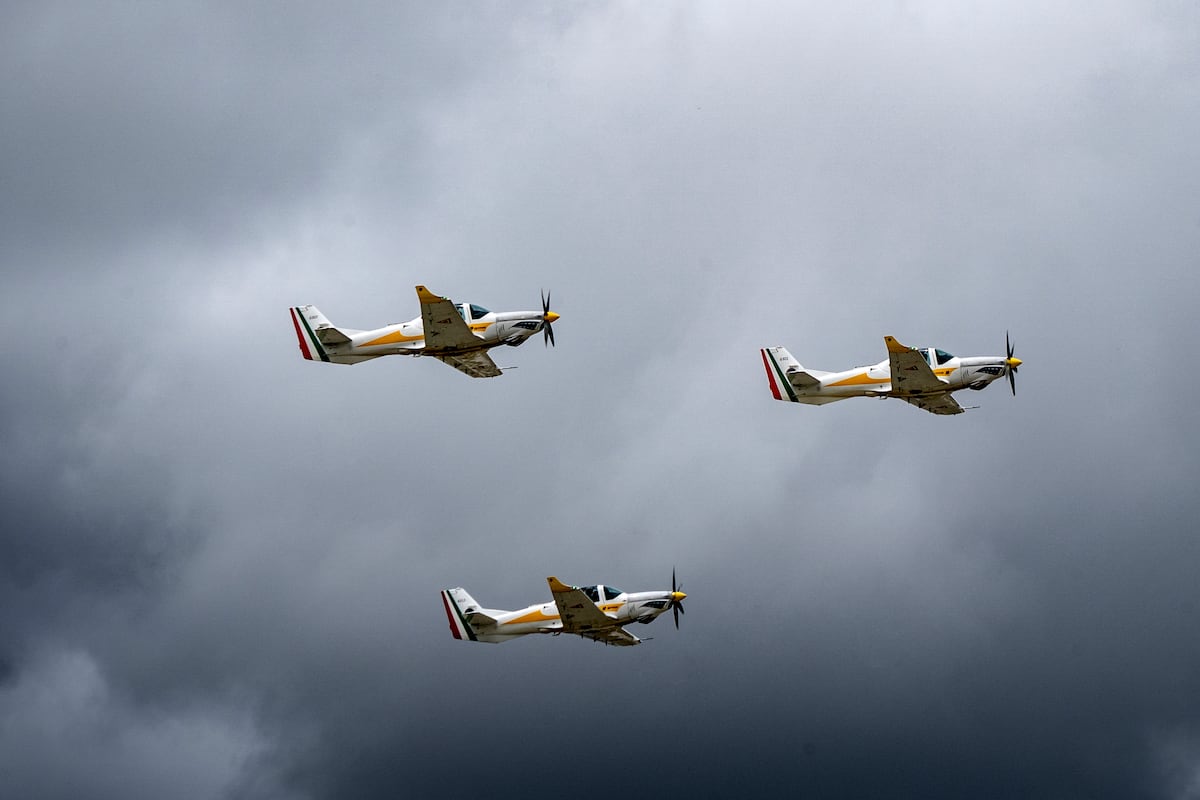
(223, 561)
(203, 122)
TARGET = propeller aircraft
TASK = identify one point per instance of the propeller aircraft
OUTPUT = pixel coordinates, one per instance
(924, 377)
(456, 334)
(593, 612)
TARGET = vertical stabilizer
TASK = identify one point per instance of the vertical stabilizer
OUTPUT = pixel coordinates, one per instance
(465, 614)
(779, 362)
(307, 320)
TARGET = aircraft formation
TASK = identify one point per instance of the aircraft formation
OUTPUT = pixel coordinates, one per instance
(460, 335)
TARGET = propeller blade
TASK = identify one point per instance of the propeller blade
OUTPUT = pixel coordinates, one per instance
(1009, 349)
(547, 322)
(676, 605)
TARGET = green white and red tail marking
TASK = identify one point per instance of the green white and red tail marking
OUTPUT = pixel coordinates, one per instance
(310, 346)
(780, 385)
(459, 627)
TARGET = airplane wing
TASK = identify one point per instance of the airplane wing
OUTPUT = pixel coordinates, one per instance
(914, 382)
(477, 364)
(581, 616)
(617, 636)
(940, 403)
(910, 371)
(444, 326)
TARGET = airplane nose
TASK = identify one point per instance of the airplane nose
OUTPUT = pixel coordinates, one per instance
(551, 316)
(1013, 362)
(678, 596)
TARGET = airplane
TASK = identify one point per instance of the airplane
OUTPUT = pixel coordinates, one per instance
(924, 377)
(456, 334)
(593, 612)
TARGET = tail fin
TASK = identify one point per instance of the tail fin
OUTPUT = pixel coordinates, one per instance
(778, 361)
(315, 331)
(465, 614)
(786, 374)
(305, 319)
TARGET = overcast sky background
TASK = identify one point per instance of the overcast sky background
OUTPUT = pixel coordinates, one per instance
(220, 563)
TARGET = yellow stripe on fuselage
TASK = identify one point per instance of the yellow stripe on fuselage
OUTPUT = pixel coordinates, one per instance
(395, 337)
(542, 615)
(858, 380)
(864, 378)
(532, 616)
(398, 337)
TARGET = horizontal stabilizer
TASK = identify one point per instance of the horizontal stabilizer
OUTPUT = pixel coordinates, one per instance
(480, 620)
(803, 380)
(332, 336)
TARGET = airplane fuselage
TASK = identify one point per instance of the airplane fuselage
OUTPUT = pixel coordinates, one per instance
(625, 609)
(973, 372)
(408, 338)
(925, 377)
(458, 334)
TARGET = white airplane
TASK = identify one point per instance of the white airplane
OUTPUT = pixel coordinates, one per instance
(459, 335)
(593, 612)
(924, 377)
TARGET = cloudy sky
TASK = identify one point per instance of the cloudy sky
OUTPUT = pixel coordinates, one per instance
(220, 563)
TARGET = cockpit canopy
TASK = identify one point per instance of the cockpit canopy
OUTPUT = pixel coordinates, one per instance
(594, 592)
(936, 357)
(476, 311)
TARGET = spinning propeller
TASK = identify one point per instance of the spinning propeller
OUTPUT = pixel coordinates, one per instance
(1011, 363)
(548, 318)
(676, 599)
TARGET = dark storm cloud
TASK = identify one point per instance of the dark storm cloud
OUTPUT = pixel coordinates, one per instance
(201, 121)
(219, 564)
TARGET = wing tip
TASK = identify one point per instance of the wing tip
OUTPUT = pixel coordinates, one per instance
(426, 296)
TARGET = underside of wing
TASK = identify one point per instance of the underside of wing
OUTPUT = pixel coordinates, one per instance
(445, 328)
(581, 616)
(911, 373)
(939, 403)
(477, 364)
(616, 636)
(343, 359)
